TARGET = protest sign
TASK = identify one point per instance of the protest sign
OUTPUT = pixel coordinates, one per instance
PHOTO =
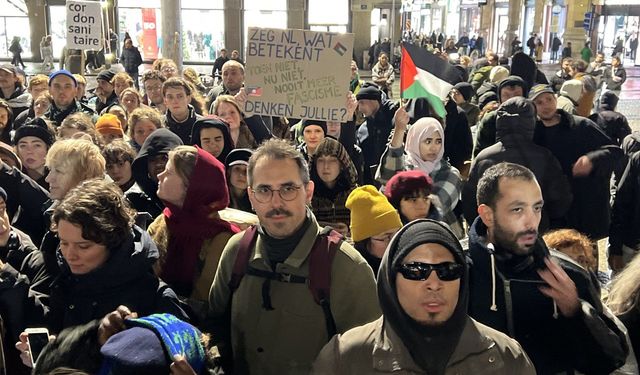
(84, 24)
(298, 73)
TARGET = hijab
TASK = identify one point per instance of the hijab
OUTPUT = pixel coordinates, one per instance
(425, 127)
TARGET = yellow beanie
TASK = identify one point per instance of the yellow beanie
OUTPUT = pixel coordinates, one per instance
(371, 213)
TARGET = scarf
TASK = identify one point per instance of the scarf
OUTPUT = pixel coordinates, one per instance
(279, 249)
(196, 221)
(425, 127)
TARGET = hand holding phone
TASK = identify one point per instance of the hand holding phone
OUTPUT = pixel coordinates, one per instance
(37, 339)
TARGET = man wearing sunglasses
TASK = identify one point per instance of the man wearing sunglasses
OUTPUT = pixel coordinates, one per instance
(535, 295)
(423, 292)
(276, 326)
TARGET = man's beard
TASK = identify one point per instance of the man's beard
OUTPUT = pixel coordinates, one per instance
(509, 241)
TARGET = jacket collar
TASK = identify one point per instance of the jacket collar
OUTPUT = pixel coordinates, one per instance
(390, 353)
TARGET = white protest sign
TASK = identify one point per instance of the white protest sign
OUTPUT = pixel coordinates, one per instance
(298, 73)
(84, 24)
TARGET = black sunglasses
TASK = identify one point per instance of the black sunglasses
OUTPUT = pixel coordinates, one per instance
(447, 271)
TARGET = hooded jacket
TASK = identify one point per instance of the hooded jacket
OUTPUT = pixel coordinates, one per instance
(396, 343)
(328, 205)
(613, 124)
(572, 138)
(19, 101)
(515, 127)
(161, 141)
(191, 237)
(373, 136)
(625, 211)
(486, 133)
(213, 122)
(569, 95)
(458, 141)
(184, 129)
(126, 278)
(505, 296)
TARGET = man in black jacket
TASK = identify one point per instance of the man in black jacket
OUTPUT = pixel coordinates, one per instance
(373, 134)
(587, 156)
(613, 124)
(536, 295)
(515, 124)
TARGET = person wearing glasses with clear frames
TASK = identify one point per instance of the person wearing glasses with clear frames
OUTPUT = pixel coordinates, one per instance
(276, 327)
(424, 328)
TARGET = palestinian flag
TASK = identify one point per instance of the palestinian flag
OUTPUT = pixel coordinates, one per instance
(425, 75)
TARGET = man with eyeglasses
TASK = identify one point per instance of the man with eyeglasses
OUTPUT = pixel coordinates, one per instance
(276, 326)
(152, 82)
(536, 295)
(423, 289)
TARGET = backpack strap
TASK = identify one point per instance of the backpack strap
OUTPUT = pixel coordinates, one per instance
(245, 245)
(321, 258)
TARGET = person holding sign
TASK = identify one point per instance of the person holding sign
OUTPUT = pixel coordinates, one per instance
(246, 132)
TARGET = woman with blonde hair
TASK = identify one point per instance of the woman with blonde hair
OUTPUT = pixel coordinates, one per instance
(142, 122)
(246, 132)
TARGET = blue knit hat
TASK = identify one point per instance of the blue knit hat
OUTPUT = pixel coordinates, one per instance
(149, 345)
(62, 72)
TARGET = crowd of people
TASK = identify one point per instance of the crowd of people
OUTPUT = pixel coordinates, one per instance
(154, 227)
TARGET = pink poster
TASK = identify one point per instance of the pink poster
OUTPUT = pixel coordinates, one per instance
(149, 34)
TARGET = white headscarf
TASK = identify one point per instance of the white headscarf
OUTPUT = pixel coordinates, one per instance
(425, 127)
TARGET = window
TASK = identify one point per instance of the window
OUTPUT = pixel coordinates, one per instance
(264, 13)
(14, 22)
(329, 15)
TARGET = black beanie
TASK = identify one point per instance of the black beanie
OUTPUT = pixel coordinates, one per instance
(423, 231)
(369, 91)
(465, 89)
(608, 101)
(35, 128)
(322, 124)
(518, 111)
(486, 98)
(106, 75)
(513, 81)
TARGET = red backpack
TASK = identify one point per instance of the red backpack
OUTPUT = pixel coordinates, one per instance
(319, 281)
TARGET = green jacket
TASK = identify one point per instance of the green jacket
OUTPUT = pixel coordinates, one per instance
(286, 340)
(376, 349)
(480, 76)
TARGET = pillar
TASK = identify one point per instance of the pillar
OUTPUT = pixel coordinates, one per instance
(361, 29)
(37, 25)
(296, 14)
(486, 17)
(574, 31)
(233, 21)
(515, 15)
(172, 30)
(537, 18)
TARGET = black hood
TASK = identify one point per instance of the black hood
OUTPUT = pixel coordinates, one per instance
(524, 67)
(516, 118)
(213, 122)
(608, 101)
(430, 347)
(513, 81)
(161, 141)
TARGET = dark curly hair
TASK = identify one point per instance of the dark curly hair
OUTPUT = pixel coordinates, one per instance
(100, 209)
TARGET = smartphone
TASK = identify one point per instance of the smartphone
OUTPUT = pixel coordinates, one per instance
(37, 339)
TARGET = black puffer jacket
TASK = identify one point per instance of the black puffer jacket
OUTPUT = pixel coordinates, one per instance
(131, 59)
(127, 278)
(589, 342)
(572, 138)
(161, 141)
(373, 136)
(514, 132)
(625, 212)
(613, 124)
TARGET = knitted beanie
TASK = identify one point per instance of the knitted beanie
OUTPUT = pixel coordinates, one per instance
(371, 213)
(321, 124)
(369, 91)
(109, 124)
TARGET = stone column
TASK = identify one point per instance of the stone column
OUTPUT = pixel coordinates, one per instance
(172, 30)
(574, 31)
(37, 25)
(537, 18)
(361, 28)
(296, 14)
(233, 21)
(515, 15)
(486, 18)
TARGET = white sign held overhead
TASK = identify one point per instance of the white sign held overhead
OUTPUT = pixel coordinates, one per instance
(84, 24)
